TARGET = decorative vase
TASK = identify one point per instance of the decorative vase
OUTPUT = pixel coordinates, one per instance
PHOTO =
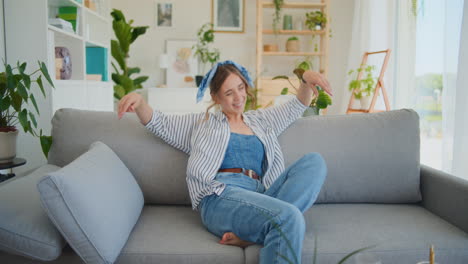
(310, 111)
(8, 145)
(292, 46)
(365, 102)
(287, 22)
(270, 47)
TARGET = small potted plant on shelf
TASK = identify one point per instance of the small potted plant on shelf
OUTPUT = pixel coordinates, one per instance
(364, 88)
(15, 95)
(315, 20)
(292, 44)
(204, 52)
(322, 101)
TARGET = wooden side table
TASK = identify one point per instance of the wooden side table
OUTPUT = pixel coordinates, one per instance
(10, 165)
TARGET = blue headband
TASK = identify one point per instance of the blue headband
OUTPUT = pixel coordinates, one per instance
(209, 76)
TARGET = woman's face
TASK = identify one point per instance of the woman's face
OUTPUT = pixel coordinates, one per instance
(232, 95)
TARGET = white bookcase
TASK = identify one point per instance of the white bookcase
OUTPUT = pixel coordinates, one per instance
(29, 38)
(93, 31)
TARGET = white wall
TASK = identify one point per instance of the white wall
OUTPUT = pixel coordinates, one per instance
(2, 37)
(189, 16)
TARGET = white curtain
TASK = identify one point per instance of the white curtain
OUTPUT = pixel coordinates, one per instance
(460, 106)
(373, 29)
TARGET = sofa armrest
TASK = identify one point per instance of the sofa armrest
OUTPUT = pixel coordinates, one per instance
(445, 195)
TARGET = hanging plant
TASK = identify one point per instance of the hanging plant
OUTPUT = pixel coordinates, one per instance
(277, 15)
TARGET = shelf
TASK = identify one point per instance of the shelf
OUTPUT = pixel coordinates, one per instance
(90, 43)
(65, 33)
(95, 14)
(284, 53)
(58, 3)
(294, 32)
(295, 5)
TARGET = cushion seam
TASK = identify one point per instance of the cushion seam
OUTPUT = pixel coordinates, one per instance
(26, 237)
(74, 219)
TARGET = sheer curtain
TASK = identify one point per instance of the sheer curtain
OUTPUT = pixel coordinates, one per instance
(460, 102)
(378, 25)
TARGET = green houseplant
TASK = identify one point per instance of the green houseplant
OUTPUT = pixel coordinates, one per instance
(15, 95)
(292, 44)
(126, 34)
(322, 101)
(204, 53)
(315, 20)
(364, 87)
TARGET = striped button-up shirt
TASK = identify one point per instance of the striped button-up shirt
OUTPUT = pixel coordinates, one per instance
(206, 142)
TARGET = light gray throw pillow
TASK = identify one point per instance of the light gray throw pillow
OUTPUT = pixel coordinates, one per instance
(94, 202)
(25, 228)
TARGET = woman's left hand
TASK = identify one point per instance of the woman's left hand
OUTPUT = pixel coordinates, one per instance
(313, 79)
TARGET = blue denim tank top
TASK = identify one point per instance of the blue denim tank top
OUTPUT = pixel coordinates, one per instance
(244, 151)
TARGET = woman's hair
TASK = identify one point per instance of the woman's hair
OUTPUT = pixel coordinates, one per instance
(221, 75)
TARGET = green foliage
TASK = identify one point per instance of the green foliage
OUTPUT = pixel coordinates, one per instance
(126, 34)
(203, 51)
(277, 14)
(16, 94)
(293, 38)
(314, 18)
(322, 101)
(365, 86)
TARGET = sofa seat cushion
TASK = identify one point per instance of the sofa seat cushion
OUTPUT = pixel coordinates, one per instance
(402, 233)
(25, 228)
(175, 234)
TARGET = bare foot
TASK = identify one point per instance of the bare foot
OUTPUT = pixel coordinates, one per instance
(230, 238)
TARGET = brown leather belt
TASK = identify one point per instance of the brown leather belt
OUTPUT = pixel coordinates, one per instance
(249, 173)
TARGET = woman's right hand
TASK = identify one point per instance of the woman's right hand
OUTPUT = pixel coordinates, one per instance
(130, 103)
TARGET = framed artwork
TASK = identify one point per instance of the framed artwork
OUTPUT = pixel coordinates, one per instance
(163, 14)
(182, 65)
(228, 15)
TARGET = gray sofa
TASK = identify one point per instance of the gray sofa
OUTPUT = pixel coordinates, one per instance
(376, 193)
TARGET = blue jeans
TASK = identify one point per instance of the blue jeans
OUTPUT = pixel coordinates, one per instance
(254, 214)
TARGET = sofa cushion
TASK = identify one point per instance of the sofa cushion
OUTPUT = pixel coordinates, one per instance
(175, 234)
(402, 234)
(371, 158)
(159, 169)
(95, 202)
(25, 228)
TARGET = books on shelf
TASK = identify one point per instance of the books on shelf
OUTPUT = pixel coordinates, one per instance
(70, 14)
(62, 24)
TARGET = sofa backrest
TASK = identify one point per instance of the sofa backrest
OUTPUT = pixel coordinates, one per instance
(370, 158)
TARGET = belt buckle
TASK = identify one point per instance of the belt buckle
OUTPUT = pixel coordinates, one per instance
(248, 172)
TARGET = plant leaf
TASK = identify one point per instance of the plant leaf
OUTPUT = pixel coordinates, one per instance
(284, 91)
(11, 81)
(16, 102)
(299, 72)
(46, 143)
(41, 86)
(119, 91)
(33, 119)
(118, 54)
(281, 77)
(133, 70)
(140, 80)
(5, 103)
(353, 253)
(137, 31)
(22, 91)
(23, 119)
(45, 72)
(33, 100)
(26, 78)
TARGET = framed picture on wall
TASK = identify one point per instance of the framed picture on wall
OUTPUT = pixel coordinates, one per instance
(182, 65)
(163, 14)
(228, 15)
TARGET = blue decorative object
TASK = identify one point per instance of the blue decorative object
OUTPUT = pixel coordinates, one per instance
(209, 76)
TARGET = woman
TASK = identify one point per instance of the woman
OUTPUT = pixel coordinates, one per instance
(235, 173)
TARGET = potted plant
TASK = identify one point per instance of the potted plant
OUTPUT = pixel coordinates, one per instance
(204, 52)
(322, 101)
(126, 34)
(15, 95)
(315, 20)
(364, 87)
(292, 44)
(277, 15)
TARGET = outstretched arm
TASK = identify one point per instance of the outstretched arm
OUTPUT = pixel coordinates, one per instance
(307, 88)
